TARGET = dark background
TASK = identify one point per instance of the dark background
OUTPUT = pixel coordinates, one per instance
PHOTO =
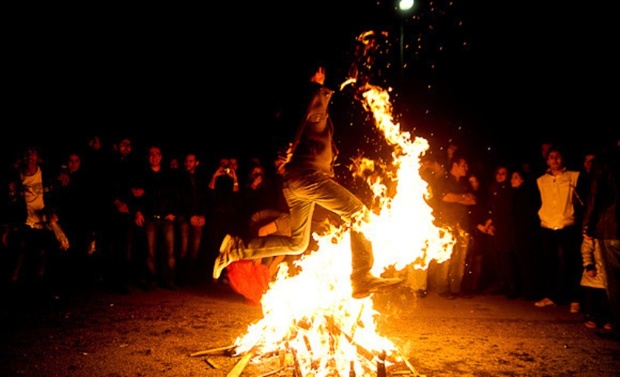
(496, 76)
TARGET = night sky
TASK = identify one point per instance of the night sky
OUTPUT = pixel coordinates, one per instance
(495, 75)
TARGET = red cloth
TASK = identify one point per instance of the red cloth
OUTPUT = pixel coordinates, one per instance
(249, 279)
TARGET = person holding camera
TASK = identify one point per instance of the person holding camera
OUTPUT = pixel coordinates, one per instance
(223, 201)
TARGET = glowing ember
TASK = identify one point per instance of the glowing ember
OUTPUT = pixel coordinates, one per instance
(311, 313)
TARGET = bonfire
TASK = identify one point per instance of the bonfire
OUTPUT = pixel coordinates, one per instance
(309, 318)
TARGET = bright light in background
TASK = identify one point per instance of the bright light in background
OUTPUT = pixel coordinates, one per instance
(405, 5)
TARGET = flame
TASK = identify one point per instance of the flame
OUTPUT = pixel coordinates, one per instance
(312, 312)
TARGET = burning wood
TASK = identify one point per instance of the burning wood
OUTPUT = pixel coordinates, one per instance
(271, 373)
(212, 364)
(214, 351)
(241, 364)
(411, 368)
(368, 355)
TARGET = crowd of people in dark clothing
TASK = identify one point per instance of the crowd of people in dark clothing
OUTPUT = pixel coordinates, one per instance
(526, 231)
(106, 215)
(127, 218)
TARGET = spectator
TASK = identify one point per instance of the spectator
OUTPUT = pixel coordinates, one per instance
(191, 219)
(477, 270)
(74, 210)
(120, 231)
(156, 208)
(31, 210)
(526, 202)
(224, 200)
(602, 221)
(596, 310)
(94, 162)
(456, 201)
(262, 209)
(560, 235)
(500, 206)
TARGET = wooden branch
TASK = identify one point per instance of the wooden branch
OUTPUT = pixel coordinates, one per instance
(213, 351)
(241, 364)
(357, 320)
(212, 364)
(297, 370)
(408, 364)
(271, 373)
(336, 330)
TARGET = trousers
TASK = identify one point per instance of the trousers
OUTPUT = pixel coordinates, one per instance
(302, 193)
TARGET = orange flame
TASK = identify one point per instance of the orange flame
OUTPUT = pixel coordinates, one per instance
(312, 312)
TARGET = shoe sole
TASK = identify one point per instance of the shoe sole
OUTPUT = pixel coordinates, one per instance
(227, 239)
(377, 288)
(219, 267)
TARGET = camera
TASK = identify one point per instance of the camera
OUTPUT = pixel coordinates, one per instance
(227, 170)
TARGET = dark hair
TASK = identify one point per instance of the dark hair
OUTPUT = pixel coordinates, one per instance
(458, 155)
(524, 174)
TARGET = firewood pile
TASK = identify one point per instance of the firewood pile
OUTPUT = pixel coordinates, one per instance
(286, 363)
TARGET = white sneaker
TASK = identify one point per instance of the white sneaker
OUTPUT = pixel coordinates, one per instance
(544, 303)
(228, 254)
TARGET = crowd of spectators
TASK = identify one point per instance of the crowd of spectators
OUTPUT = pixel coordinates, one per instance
(131, 213)
(150, 218)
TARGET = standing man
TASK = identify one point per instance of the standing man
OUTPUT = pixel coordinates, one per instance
(191, 219)
(30, 210)
(156, 207)
(456, 202)
(119, 231)
(560, 234)
(308, 180)
(602, 221)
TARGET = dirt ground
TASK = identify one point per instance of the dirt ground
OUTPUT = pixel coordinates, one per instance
(93, 332)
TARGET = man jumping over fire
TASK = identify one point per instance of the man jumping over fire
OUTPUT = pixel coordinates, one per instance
(308, 180)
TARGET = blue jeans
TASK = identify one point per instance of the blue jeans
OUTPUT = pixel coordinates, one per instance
(190, 239)
(160, 233)
(302, 193)
(450, 273)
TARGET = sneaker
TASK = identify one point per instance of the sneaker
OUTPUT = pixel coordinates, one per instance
(590, 324)
(575, 307)
(544, 303)
(227, 255)
(607, 327)
(370, 284)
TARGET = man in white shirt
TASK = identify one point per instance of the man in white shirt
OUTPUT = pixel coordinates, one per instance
(560, 236)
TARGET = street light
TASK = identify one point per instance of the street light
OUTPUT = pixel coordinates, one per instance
(404, 6)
